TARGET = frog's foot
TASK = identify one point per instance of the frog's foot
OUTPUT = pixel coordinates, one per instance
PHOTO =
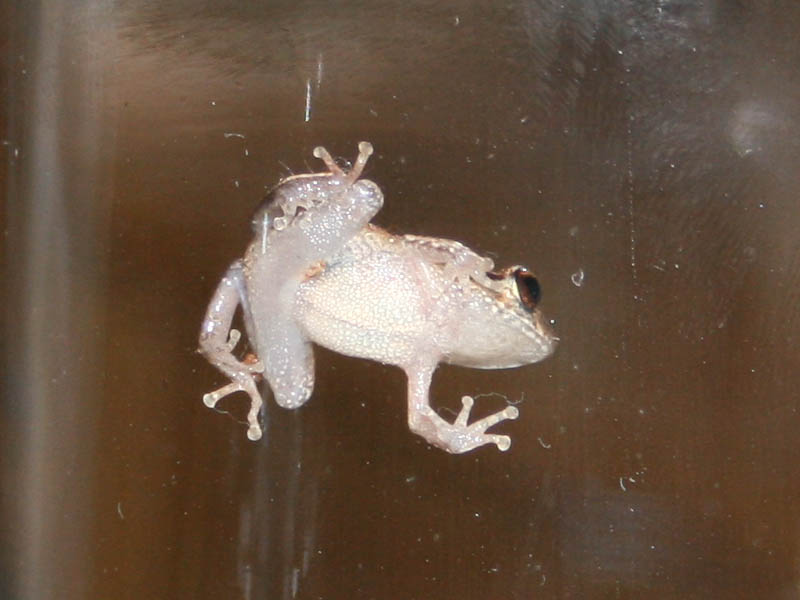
(364, 152)
(292, 205)
(459, 263)
(243, 377)
(254, 428)
(460, 437)
(470, 266)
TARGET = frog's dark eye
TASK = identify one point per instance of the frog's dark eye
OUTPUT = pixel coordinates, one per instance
(528, 288)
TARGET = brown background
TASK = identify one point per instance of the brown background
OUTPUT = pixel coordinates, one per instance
(652, 146)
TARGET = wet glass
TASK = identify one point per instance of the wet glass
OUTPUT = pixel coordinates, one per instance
(641, 158)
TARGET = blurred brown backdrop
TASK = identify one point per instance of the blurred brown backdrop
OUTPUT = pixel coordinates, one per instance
(642, 157)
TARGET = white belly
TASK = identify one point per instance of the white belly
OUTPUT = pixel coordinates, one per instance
(371, 309)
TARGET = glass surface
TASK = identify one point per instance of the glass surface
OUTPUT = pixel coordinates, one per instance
(641, 157)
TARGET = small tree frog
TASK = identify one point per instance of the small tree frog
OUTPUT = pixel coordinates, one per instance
(318, 271)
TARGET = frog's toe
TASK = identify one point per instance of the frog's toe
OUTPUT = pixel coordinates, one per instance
(254, 433)
(508, 413)
(503, 442)
(211, 398)
(466, 437)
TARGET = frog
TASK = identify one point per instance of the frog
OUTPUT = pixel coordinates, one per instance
(317, 270)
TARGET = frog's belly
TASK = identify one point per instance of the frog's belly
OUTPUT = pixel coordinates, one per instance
(367, 309)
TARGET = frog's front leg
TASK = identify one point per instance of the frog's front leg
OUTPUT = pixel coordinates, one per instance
(217, 341)
(456, 437)
(459, 263)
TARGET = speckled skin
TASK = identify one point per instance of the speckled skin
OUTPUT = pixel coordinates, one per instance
(318, 271)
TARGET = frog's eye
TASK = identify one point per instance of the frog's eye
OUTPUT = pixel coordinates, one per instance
(528, 289)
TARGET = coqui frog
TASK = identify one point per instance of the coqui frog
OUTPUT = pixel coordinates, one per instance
(318, 271)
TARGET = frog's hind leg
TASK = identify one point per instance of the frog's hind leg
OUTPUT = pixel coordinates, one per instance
(217, 341)
(288, 359)
(456, 437)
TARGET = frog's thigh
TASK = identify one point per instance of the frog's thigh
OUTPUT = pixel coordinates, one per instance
(289, 363)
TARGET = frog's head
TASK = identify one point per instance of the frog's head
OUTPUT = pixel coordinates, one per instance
(335, 194)
(502, 326)
(530, 338)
